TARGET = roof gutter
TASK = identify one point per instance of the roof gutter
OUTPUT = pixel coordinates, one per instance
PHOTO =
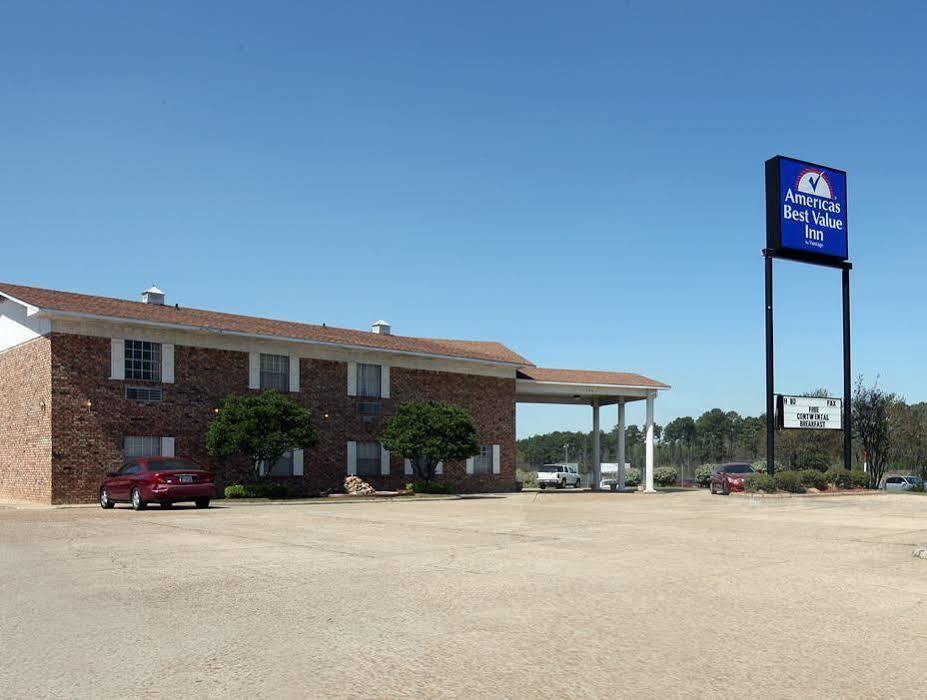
(54, 313)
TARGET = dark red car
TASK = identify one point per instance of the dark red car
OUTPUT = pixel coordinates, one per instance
(730, 477)
(162, 480)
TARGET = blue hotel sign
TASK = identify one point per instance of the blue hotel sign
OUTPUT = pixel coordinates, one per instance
(806, 211)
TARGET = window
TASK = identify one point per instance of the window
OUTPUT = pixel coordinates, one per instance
(368, 459)
(144, 394)
(284, 466)
(275, 372)
(368, 380)
(143, 360)
(482, 463)
(136, 446)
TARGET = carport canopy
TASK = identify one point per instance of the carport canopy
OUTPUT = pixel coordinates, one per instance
(596, 389)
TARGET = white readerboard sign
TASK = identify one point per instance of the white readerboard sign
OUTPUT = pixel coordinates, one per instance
(816, 413)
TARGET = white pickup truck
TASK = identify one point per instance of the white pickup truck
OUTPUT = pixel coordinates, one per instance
(559, 476)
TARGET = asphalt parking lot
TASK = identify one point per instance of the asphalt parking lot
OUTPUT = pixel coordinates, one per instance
(528, 595)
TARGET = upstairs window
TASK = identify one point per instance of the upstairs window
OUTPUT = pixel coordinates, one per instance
(143, 360)
(482, 463)
(369, 379)
(275, 372)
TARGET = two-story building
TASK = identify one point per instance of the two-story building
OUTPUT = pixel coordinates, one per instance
(87, 381)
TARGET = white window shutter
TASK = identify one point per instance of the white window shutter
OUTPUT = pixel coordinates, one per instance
(496, 465)
(384, 461)
(294, 373)
(408, 466)
(167, 364)
(352, 458)
(439, 468)
(352, 379)
(117, 368)
(297, 462)
(384, 381)
(167, 447)
(254, 370)
(469, 465)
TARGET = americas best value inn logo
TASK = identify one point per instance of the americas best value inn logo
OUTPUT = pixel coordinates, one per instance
(813, 208)
(812, 204)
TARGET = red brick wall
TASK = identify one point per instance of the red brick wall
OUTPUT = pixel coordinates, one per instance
(25, 422)
(88, 441)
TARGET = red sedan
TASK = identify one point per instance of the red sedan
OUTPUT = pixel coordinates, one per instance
(162, 480)
(727, 478)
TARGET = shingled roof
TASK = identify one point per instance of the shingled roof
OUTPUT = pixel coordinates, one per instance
(196, 319)
(584, 376)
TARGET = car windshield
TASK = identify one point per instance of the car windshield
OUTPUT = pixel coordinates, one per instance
(163, 465)
(737, 469)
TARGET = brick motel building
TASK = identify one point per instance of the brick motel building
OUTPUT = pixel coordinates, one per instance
(88, 381)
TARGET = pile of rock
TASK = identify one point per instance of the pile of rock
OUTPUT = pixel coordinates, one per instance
(355, 486)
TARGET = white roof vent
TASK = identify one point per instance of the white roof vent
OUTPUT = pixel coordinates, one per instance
(153, 295)
(381, 327)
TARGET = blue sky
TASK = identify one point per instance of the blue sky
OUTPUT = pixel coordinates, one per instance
(582, 181)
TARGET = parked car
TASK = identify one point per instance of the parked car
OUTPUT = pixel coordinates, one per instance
(558, 475)
(162, 480)
(902, 483)
(727, 478)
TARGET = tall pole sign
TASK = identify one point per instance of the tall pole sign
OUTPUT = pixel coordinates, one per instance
(806, 221)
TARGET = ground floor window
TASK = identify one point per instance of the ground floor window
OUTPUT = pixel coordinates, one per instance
(368, 459)
(482, 463)
(138, 446)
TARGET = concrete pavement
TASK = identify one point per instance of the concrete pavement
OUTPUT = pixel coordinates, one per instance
(525, 595)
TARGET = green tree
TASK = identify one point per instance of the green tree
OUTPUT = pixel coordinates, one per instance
(428, 432)
(262, 427)
(873, 414)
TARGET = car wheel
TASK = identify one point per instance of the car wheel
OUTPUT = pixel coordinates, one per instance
(104, 500)
(166, 505)
(202, 502)
(137, 502)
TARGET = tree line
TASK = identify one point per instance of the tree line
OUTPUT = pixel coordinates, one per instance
(891, 431)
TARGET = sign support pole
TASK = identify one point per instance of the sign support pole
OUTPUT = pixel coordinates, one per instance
(770, 390)
(847, 398)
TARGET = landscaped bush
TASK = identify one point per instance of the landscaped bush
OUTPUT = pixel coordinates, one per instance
(839, 477)
(632, 477)
(703, 474)
(761, 482)
(431, 487)
(760, 466)
(273, 491)
(664, 476)
(813, 478)
(789, 481)
(859, 479)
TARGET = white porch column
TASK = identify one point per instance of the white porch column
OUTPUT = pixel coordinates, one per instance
(621, 444)
(648, 488)
(596, 448)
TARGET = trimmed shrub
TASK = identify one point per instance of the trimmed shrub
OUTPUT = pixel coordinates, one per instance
(839, 477)
(272, 491)
(859, 479)
(431, 487)
(703, 475)
(664, 476)
(761, 482)
(760, 465)
(789, 481)
(812, 478)
(632, 477)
